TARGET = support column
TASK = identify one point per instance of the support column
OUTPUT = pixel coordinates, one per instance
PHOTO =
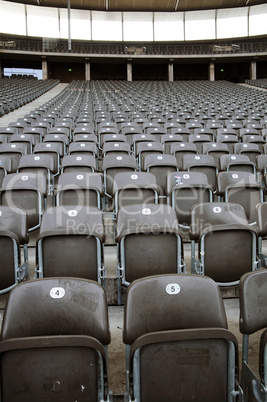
(129, 70)
(45, 69)
(87, 70)
(253, 70)
(170, 70)
(212, 71)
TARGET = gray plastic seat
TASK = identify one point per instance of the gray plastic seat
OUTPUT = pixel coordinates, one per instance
(134, 188)
(237, 163)
(26, 191)
(199, 140)
(204, 164)
(253, 318)
(241, 188)
(184, 190)
(142, 233)
(14, 151)
(78, 163)
(79, 188)
(83, 148)
(226, 242)
(216, 150)
(168, 139)
(54, 342)
(70, 243)
(41, 163)
(249, 149)
(51, 148)
(147, 148)
(113, 164)
(5, 167)
(179, 150)
(161, 166)
(178, 346)
(116, 148)
(13, 235)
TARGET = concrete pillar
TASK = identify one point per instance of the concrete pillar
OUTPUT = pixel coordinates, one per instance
(170, 70)
(87, 71)
(253, 70)
(45, 69)
(212, 71)
(129, 70)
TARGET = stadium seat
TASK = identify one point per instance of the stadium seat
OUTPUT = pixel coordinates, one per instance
(70, 243)
(218, 227)
(54, 342)
(178, 346)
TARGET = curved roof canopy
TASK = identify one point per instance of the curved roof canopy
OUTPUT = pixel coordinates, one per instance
(143, 5)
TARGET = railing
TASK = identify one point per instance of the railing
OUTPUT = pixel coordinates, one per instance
(61, 46)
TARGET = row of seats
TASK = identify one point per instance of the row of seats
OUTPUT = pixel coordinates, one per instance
(71, 243)
(16, 92)
(55, 337)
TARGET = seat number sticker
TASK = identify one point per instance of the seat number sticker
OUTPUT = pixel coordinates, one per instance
(173, 288)
(57, 293)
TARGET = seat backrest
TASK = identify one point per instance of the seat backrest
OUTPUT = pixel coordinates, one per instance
(58, 306)
(79, 189)
(215, 213)
(171, 302)
(14, 220)
(253, 302)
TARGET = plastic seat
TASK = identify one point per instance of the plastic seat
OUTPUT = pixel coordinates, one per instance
(184, 190)
(199, 140)
(179, 150)
(253, 318)
(134, 188)
(26, 191)
(161, 166)
(116, 148)
(251, 150)
(142, 233)
(168, 139)
(14, 151)
(36, 132)
(147, 148)
(237, 163)
(13, 235)
(78, 163)
(51, 148)
(261, 211)
(241, 188)
(5, 167)
(204, 164)
(43, 164)
(113, 164)
(178, 346)
(218, 227)
(90, 137)
(70, 243)
(216, 150)
(27, 139)
(54, 339)
(140, 138)
(83, 148)
(79, 189)
(229, 139)
(61, 139)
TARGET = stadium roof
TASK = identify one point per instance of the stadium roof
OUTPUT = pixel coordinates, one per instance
(144, 5)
